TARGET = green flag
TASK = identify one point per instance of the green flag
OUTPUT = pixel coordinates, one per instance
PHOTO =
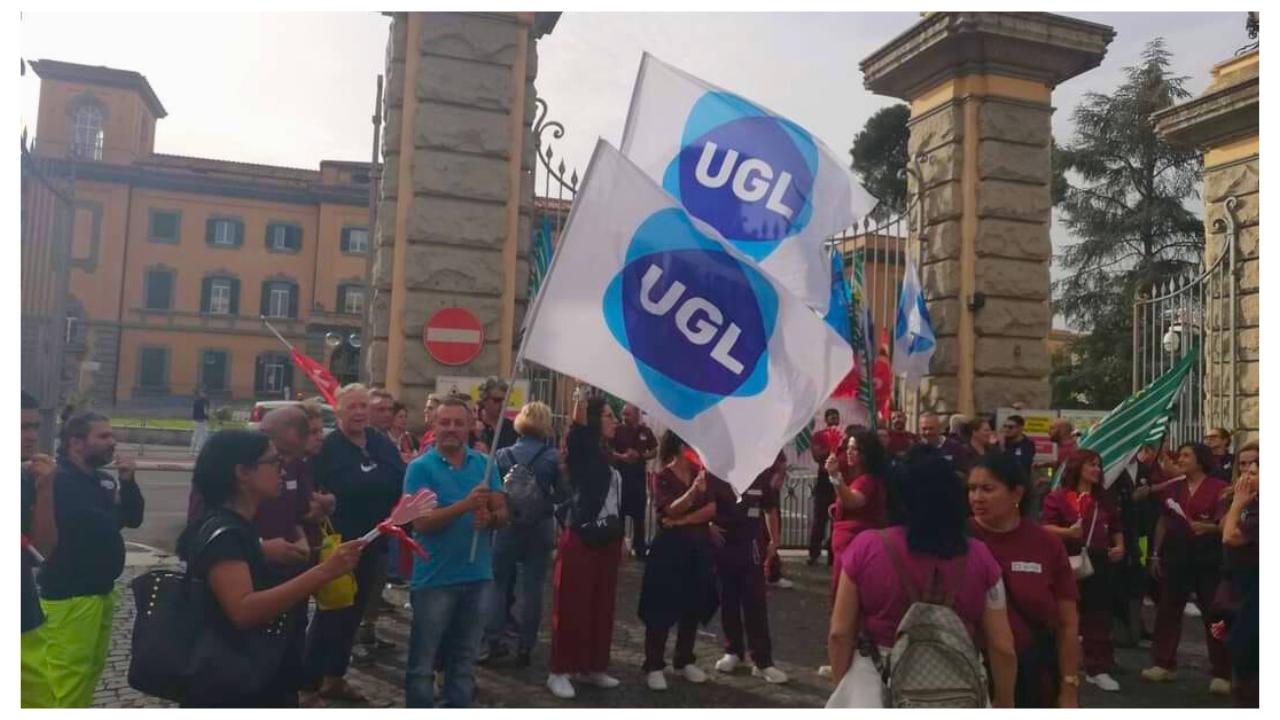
(804, 439)
(1140, 420)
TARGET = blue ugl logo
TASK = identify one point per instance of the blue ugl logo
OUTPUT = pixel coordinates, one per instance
(744, 172)
(696, 320)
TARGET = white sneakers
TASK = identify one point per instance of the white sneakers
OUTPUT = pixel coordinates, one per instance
(560, 686)
(770, 674)
(693, 674)
(728, 663)
(783, 583)
(1220, 686)
(1103, 681)
(656, 680)
(600, 680)
(824, 672)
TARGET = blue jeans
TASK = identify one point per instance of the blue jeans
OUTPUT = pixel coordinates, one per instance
(448, 622)
(528, 551)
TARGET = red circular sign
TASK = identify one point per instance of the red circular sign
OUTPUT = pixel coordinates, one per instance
(453, 336)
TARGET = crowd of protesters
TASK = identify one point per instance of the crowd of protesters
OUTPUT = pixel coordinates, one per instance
(1043, 577)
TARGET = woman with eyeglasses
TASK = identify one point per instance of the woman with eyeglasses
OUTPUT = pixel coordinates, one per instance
(236, 471)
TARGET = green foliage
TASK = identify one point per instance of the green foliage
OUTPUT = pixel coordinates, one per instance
(1123, 198)
(880, 156)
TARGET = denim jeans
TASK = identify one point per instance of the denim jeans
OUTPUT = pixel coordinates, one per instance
(528, 551)
(447, 623)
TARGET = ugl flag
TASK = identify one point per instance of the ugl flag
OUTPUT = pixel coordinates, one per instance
(318, 374)
(1140, 420)
(765, 184)
(649, 305)
(913, 338)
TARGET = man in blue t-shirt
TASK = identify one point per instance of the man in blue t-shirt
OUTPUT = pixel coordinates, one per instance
(450, 589)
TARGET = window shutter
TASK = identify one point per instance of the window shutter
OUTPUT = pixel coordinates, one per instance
(161, 295)
(239, 234)
(266, 299)
(288, 376)
(295, 238)
(341, 305)
(209, 227)
(206, 288)
(345, 246)
(259, 366)
(235, 296)
(293, 300)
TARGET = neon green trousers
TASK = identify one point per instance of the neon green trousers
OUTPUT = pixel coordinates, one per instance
(70, 651)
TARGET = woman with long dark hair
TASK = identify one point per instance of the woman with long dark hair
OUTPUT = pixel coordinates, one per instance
(1240, 537)
(1039, 585)
(679, 586)
(236, 471)
(1082, 516)
(585, 579)
(860, 493)
(929, 552)
(1187, 558)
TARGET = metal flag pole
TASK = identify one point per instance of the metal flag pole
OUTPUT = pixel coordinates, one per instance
(275, 332)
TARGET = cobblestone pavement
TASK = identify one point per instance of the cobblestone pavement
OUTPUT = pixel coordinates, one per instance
(799, 623)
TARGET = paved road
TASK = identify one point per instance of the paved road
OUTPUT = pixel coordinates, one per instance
(798, 618)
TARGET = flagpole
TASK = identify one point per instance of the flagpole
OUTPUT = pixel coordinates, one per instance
(275, 332)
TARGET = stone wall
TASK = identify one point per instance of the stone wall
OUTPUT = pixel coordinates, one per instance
(1011, 249)
(457, 224)
(1238, 180)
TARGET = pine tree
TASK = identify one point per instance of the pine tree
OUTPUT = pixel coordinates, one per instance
(1125, 206)
(880, 156)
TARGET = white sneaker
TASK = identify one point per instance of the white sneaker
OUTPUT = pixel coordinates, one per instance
(599, 679)
(656, 680)
(783, 583)
(824, 672)
(770, 674)
(1191, 611)
(560, 686)
(693, 674)
(1103, 681)
(728, 663)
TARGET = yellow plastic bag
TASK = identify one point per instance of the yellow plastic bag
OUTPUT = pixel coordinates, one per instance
(340, 592)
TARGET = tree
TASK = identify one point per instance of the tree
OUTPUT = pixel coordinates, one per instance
(880, 156)
(1127, 212)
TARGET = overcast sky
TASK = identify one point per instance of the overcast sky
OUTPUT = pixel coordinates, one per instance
(293, 89)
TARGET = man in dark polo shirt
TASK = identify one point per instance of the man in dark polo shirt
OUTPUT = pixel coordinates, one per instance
(77, 581)
(489, 408)
(825, 441)
(634, 445)
(39, 539)
(1016, 443)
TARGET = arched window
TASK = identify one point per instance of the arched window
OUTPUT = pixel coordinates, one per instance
(86, 132)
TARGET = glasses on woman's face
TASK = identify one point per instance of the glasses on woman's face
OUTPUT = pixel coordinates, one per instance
(272, 459)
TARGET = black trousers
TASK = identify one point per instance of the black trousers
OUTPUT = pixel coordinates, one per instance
(742, 603)
(822, 497)
(655, 644)
(333, 632)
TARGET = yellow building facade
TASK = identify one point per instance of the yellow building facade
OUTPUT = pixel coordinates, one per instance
(174, 259)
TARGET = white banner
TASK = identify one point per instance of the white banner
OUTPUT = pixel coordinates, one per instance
(764, 183)
(649, 305)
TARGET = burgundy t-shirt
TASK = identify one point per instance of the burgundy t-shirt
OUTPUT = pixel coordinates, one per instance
(1062, 507)
(900, 441)
(667, 489)
(280, 517)
(881, 597)
(1203, 506)
(1036, 576)
(873, 514)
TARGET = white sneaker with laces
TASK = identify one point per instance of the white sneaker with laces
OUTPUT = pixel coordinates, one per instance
(560, 686)
(1103, 681)
(693, 674)
(728, 663)
(770, 675)
(783, 583)
(600, 680)
(656, 680)
(824, 672)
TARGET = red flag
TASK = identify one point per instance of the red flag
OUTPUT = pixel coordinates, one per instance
(318, 374)
(882, 378)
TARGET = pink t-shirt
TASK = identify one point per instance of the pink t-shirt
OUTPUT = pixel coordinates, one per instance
(880, 593)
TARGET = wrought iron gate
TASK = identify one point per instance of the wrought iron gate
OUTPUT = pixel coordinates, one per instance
(1194, 313)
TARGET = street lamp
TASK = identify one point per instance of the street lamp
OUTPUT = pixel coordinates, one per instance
(332, 340)
(354, 340)
(1172, 340)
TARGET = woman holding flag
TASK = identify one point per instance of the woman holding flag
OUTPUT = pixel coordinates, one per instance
(860, 494)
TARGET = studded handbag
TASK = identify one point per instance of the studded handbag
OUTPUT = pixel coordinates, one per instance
(181, 649)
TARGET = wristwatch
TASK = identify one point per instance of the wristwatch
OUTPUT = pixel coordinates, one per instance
(1072, 680)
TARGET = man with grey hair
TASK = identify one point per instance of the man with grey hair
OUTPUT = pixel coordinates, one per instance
(493, 393)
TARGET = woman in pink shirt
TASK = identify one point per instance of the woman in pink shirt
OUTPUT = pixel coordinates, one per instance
(932, 548)
(860, 495)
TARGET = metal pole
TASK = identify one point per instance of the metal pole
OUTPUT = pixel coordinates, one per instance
(1234, 419)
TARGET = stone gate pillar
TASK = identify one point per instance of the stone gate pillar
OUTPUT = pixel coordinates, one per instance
(979, 86)
(457, 190)
(1223, 122)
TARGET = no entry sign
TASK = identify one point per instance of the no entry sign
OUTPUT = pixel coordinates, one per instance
(453, 336)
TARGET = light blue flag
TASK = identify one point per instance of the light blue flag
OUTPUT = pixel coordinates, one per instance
(913, 339)
(839, 312)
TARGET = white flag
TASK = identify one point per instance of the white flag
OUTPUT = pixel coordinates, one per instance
(763, 182)
(650, 306)
(913, 339)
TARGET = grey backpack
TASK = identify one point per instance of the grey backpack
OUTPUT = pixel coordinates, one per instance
(527, 501)
(933, 663)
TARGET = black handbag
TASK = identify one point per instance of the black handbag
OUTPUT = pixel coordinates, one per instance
(606, 527)
(183, 651)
